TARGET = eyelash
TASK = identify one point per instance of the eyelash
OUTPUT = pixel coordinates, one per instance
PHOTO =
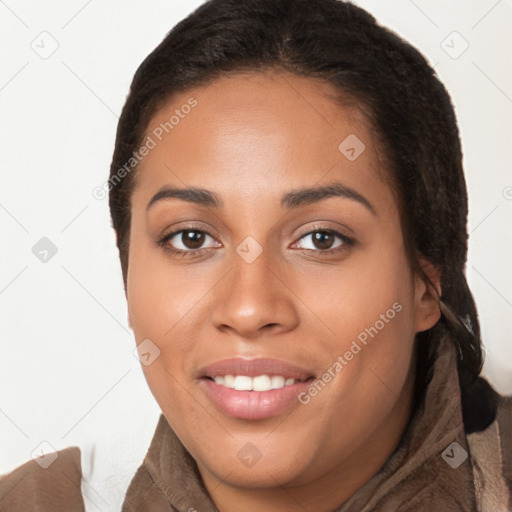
(346, 241)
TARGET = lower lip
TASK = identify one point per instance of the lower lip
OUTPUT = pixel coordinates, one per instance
(253, 405)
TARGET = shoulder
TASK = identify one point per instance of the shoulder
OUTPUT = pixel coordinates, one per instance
(490, 445)
(504, 434)
(50, 483)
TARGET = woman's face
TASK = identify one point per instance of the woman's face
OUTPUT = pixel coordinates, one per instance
(288, 267)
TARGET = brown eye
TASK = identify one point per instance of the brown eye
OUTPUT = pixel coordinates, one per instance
(187, 240)
(192, 239)
(324, 240)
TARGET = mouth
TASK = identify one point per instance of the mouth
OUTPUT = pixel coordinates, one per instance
(254, 389)
(258, 383)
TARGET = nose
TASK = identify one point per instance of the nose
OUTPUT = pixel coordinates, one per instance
(255, 299)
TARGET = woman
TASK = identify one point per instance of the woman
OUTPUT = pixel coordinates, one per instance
(290, 210)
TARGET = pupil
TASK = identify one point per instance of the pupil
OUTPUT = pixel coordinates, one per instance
(322, 239)
(192, 239)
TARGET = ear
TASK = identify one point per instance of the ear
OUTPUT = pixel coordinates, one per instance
(427, 312)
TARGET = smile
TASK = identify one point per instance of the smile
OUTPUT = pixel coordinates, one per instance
(259, 383)
(253, 389)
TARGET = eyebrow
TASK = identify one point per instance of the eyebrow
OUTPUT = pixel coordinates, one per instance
(290, 200)
(199, 196)
(306, 196)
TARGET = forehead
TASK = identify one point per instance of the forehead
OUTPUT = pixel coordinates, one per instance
(247, 132)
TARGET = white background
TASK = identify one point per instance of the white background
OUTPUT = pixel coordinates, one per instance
(68, 374)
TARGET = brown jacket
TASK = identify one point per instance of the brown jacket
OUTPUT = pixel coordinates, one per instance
(442, 463)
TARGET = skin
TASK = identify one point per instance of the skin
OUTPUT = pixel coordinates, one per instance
(251, 139)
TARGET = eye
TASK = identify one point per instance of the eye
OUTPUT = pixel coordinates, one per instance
(324, 240)
(187, 240)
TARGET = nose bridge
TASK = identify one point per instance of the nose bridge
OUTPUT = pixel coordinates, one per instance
(253, 296)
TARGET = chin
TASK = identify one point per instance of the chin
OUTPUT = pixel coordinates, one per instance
(262, 475)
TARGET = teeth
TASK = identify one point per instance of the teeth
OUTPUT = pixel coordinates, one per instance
(259, 383)
(262, 383)
(229, 381)
(243, 383)
(277, 382)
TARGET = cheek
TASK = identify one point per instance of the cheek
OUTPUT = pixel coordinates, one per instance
(163, 301)
(158, 310)
(368, 307)
(158, 297)
(353, 296)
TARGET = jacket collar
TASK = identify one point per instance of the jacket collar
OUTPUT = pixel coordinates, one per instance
(429, 468)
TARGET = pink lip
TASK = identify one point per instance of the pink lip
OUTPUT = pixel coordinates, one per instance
(253, 405)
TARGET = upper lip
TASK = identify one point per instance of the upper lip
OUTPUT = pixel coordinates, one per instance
(254, 367)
